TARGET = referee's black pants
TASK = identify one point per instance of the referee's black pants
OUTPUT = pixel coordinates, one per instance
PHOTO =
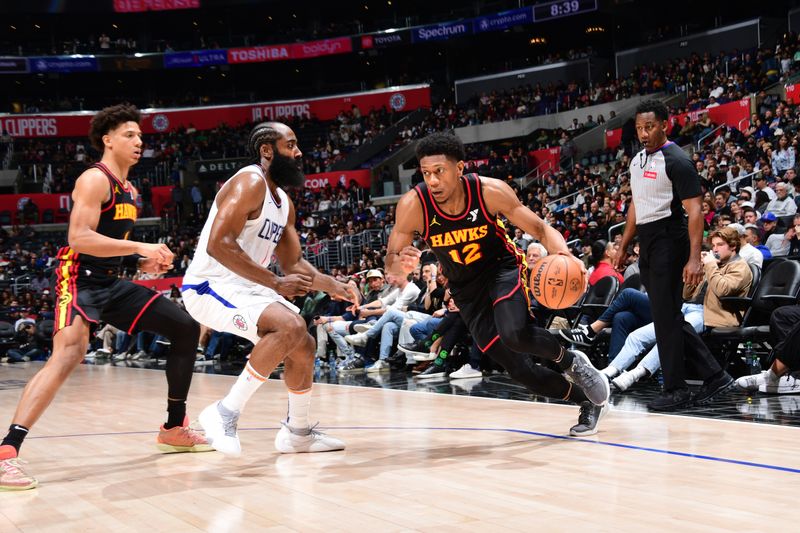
(664, 250)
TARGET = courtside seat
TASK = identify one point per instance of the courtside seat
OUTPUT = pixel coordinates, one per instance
(779, 286)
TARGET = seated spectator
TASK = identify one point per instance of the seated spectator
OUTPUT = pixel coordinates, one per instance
(788, 243)
(746, 250)
(782, 205)
(769, 224)
(520, 240)
(449, 332)
(29, 344)
(603, 255)
(753, 237)
(108, 335)
(387, 327)
(762, 185)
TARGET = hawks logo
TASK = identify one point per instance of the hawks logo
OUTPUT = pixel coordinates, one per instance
(240, 322)
(65, 299)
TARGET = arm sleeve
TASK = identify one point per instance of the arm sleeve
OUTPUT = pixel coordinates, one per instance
(684, 176)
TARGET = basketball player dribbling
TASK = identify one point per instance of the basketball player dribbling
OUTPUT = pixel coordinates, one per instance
(457, 216)
(88, 289)
(228, 288)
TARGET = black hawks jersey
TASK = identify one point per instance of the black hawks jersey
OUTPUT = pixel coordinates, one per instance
(472, 243)
(117, 217)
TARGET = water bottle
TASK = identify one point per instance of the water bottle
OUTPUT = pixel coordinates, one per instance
(752, 359)
(317, 367)
(660, 378)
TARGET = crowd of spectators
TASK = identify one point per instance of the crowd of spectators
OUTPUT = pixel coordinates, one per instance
(707, 81)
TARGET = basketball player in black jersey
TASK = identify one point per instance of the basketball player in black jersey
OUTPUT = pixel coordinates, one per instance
(457, 216)
(88, 289)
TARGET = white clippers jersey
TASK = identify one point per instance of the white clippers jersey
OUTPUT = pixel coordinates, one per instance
(258, 238)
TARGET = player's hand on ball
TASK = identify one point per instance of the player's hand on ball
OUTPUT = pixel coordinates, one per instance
(579, 262)
(409, 259)
(293, 285)
(156, 251)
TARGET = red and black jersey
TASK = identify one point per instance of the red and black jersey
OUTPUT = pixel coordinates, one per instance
(117, 217)
(470, 244)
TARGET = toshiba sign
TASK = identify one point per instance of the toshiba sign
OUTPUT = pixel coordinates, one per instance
(258, 54)
(31, 126)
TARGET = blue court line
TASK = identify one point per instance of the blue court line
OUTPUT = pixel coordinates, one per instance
(583, 440)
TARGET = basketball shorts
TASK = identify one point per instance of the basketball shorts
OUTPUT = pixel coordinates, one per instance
(476, 301)
(230, 307)
(97, 296)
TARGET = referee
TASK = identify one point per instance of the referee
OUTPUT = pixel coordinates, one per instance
(662, 179)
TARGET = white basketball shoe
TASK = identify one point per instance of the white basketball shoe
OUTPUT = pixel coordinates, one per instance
(219, 424)
(308, 440)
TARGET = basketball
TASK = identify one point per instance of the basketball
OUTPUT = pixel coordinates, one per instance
(557, 281)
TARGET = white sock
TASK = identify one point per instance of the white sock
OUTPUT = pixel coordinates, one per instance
(248, 383)
(299, 402)
(639, 372)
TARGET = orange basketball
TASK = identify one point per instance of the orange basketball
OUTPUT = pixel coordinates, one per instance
(557, 281)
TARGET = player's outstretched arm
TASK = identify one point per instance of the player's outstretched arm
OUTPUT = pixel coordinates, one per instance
(91, 191)
(241, 198)
(401, 257)
(500, 198)
(290, 257)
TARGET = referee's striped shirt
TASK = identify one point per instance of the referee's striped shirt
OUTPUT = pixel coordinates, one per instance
(660, 180)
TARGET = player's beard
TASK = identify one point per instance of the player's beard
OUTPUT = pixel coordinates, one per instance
(285, 171)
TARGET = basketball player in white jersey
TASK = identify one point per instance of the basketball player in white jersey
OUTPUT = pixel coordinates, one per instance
(228, 288)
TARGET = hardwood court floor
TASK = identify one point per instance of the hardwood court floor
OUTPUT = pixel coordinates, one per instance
(415, 461)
